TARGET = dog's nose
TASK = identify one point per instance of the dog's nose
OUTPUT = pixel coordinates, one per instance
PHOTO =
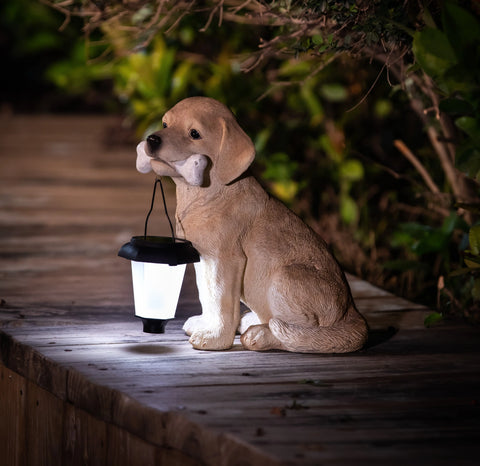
(154, 142)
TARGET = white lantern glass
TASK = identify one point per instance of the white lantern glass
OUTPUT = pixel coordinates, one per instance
(158, 266)
(156, 289)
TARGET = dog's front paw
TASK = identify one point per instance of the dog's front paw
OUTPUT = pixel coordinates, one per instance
(193, 324)
(210, 340)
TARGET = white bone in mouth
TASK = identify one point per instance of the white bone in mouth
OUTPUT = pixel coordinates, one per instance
(143, 160)
(192, 169)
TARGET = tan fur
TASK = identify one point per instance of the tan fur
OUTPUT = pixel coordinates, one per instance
(253, 249)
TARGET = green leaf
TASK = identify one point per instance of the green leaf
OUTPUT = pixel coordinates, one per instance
(351, 170)
(333, 152)
(468, 161)
(261, 140)
(471, 126)
(434, 242)
(371, 37)
(474, 239)
(415, 229)
(455, 106)
(334, 92)
(181, 79)
(348, 210)
(295, 68)
(460, 272)
(403, 265)
(450, 223)
(279, 167)
(459, 78)
(142, 14)
(423, 239)
(383, 108)
(285, 190)
(462, 29)
(428, 19)
(432, 319)
(472, 261)
(312, 102)
(433, 51)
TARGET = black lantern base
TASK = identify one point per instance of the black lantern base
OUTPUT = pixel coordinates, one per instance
(154, 325)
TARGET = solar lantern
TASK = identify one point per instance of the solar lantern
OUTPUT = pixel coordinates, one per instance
(158, 268)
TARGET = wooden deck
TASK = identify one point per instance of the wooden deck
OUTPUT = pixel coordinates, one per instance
(81, 384)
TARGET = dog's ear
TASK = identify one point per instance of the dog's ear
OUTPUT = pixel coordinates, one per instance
(236, 152)
(192, 169)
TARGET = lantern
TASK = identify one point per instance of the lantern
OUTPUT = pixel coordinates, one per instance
(158, 268)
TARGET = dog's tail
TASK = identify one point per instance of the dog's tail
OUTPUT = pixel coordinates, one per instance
(343, 337)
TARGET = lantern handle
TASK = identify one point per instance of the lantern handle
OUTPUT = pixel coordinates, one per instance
(157, 180)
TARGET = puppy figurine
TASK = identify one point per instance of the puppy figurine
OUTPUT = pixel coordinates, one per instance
(252, 248)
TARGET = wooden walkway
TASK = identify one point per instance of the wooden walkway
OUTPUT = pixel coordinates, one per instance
(81, 384)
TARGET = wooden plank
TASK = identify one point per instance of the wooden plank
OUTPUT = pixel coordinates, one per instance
(33, 365)
(125, 449)
(335, 426)
(44, 427)
(84, 439)
(12, 417)
(149, 366)
(89, 396)
(179, 365)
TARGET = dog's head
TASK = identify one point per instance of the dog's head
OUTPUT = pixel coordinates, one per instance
(199, 135)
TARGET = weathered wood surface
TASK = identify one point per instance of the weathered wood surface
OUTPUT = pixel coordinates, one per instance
(69, 198)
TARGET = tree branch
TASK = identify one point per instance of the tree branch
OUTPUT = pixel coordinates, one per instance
(408, 154)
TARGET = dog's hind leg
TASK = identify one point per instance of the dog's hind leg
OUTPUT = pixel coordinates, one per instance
(260, 338)
(310, 313)
(342, 337)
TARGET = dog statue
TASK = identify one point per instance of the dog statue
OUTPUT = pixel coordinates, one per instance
(252, 248)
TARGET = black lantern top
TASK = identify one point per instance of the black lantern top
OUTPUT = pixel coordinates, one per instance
(159, 250)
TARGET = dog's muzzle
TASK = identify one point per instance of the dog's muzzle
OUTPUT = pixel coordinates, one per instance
(154, 141)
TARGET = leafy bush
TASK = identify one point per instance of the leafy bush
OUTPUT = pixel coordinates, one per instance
(334, 99)
(451, 57)
(30, 42)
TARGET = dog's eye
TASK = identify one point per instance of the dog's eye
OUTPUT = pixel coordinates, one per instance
(194, 134)
(164, 124)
